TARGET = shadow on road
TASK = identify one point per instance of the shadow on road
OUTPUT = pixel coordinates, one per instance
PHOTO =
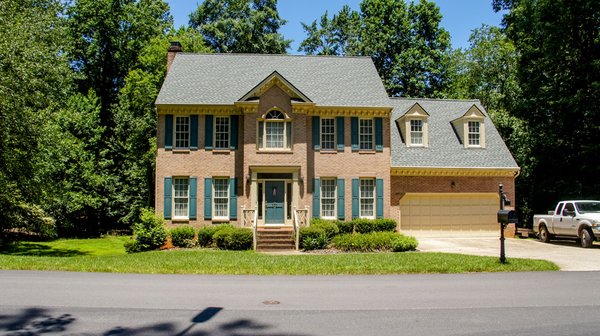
(40, 321)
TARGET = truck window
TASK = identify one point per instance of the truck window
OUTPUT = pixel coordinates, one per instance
(585, 207)
(560, 208)
(569, 207)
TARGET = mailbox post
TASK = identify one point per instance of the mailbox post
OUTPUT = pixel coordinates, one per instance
(504, 217)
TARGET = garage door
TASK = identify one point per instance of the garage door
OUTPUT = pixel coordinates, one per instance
(452, 212)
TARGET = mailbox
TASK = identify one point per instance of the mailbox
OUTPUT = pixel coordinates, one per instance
(507, 216)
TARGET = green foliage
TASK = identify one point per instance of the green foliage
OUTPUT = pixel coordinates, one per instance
(558, 73)
(313, 237)
(183, 236)
(362, 225)
(149, 233)
(205, 235)
(345, 227)
(232, 238)
(328, 226)
(374, 241)
(410, 50)
(240, 26)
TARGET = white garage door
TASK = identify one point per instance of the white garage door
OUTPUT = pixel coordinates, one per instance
(450, 212)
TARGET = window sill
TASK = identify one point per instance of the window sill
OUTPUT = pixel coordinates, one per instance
(274, 151)
(329, 151)
(180, 150)
(221, 220)
(367, 151)
(180, 220)
(221, 151)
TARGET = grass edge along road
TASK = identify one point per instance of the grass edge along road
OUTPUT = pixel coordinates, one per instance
(108, 255)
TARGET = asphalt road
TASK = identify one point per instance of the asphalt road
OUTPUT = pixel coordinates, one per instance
(62, 303)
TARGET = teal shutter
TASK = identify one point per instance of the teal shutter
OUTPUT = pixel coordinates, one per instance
(167, 197)
(168, 131)
(208, 198)
(193, 132)
(208, 132)
(316, 198)
(340, 133)
(354, 132)
(193, 197)
(316, 133)
(379, 198)
(234, 122)
(233, 198)
(355, 200)
(379, 134)
(341, 204)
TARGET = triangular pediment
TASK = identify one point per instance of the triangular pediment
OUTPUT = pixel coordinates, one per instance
(275, 79)
(416, 111)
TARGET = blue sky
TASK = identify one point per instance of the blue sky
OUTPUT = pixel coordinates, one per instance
(460, 16)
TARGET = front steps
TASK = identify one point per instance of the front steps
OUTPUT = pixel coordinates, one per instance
(270, 239)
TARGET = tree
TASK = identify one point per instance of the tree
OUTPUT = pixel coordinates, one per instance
(240, 26)
(34, 81)
(558, 72)
(409, 49)
(108, 37)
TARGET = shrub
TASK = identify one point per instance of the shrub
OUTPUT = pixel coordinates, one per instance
(313, 237)
(345, 227)
(362, 225)
(149, 233)
(231, 238)
(404, 243)
(374, 241)
(329, 227)
(205, 235)
(183, 236)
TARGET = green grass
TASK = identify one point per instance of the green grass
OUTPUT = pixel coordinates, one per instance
(108, 255)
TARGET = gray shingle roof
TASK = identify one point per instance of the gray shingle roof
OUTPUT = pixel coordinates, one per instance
(445, 148)
(217, 79)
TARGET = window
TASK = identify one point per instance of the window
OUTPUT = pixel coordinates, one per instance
(221, 197)
(365, 133)
(274, 132)
(416, 132)
(328, 133)
(474, 134)
(222, 132)
(181, 197)
(328, 196)
(367, 198)
(182, 132)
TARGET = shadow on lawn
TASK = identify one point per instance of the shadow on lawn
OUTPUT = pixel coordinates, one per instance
(39, 321)
(38, 250)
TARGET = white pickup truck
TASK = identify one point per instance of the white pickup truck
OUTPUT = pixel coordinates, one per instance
(570, 219)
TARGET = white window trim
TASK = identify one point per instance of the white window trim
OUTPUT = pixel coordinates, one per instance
(187, 179)
(468, 134)
(335, 193)
(334, 143)
(189, 122)
(422, 131)
(287, 142)
(372, 135)
(360, 198)
(214, 198)
(215, 132)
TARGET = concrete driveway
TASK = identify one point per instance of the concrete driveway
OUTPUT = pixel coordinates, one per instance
(567, 254)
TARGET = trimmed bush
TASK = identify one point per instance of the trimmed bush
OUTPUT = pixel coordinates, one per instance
(362, 225)
(149, 233)
(310, 235)
(231, 238)
(183, 236)
(329, 227)
(345, 227)
(205, 235)
(374, 241)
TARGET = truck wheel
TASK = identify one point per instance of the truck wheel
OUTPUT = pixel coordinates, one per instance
(587, 238)
(544, 235)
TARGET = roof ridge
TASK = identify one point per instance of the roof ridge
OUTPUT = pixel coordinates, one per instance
(277, 55)
(437, 99)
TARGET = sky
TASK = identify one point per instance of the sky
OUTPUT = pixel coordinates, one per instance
(460, 17)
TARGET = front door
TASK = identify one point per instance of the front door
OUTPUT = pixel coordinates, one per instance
(275, 202)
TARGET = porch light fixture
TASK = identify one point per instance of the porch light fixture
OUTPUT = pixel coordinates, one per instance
(248, 178)
(301, 179)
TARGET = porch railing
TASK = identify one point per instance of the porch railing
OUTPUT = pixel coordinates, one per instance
(301, 219)
(250, 218)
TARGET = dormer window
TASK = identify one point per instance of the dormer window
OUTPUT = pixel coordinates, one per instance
(470, 128)
(416, 132)
(274, 131)
(414, 126)
(474, 134)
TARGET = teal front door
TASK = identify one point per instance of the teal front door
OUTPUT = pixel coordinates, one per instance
(275, 201)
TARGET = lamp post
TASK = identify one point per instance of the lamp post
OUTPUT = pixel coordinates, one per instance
(503, 200)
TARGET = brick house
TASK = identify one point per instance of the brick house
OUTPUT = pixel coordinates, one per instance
(273, 137)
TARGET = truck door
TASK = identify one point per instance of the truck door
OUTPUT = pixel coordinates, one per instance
(567, 219)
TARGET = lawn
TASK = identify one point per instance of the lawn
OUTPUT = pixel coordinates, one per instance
(107, 255)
